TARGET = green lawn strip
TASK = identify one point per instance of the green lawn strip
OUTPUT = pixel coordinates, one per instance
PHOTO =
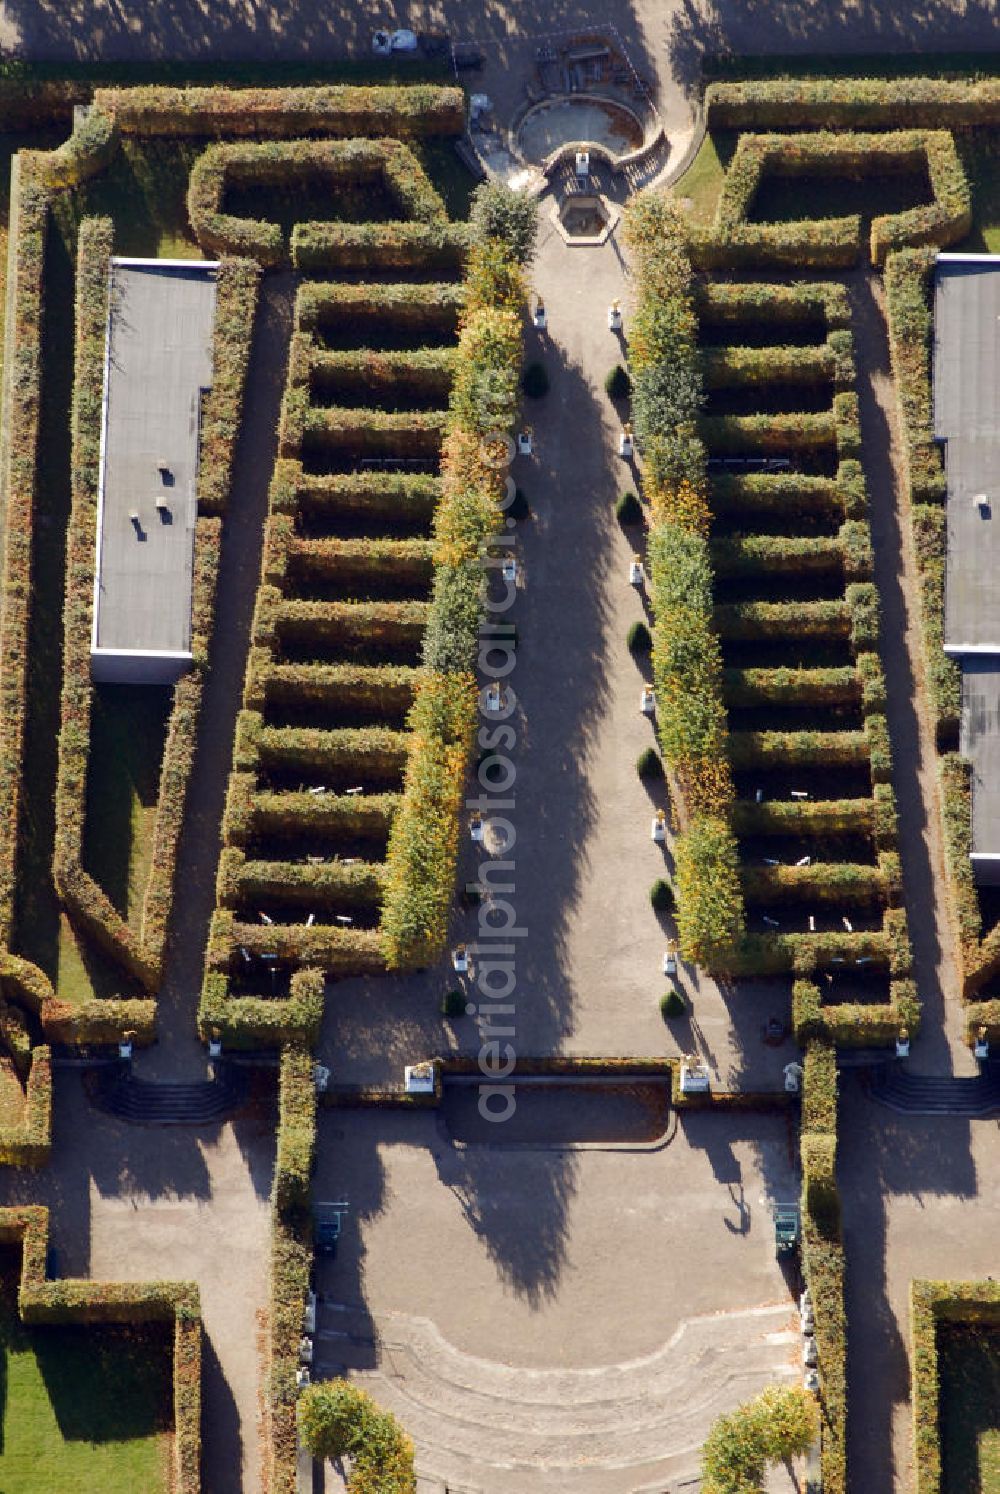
(969, 1377)
(701, 183)
(127, 736)
(144, 191)
(980, 153)
(787, 199)
(83, 1407)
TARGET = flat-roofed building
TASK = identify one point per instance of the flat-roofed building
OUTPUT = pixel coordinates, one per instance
(967, 422)
(158, 367)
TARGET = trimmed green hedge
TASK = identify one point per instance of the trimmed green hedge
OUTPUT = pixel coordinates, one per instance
(28, 225)
(732, 302)
(820, 153)
(252, 1022)
(853, 103)
(411, 112)
(414, 306)
(829, 244)
(932, 1303)
(823, 1255)
(235, 311)
(319, 247)
(784, 686)
(710, 913)
(279, 163)
(423, 845)
(826, 749)
(291, 1259)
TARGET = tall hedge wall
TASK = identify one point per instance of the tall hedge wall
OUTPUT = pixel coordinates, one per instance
(687, 658)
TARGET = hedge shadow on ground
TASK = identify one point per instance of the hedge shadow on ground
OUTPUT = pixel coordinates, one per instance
(528, 1252)
(101, 1163)
(921, 887)
(716, 1134)
(698, 29)
(300, 30)
(882, 1156)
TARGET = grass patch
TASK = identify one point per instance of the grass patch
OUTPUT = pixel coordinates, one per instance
(980, 154)
(83, 1408)
(969, 1371)
(454, 181)
(701, 183)
(144, 191)
(788, 199)
(127, 737)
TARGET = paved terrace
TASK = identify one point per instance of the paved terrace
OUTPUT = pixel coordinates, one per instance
(159, 363)
(550, 1317)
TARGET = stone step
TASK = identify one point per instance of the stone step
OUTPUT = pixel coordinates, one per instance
(483, 1425)
(975, 1097)
(143, 1103)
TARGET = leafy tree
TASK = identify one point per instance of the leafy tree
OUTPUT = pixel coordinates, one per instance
(499, 212)
(337, 1420)
(779, 1424)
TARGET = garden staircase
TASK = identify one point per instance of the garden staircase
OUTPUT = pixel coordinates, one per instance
(924, 1094)
(141, 1103)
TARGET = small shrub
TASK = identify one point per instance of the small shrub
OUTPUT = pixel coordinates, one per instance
(518, 507)
(648, 763)
(628, 509)
(639, 640)
(453, 1003)
(661, 896)
(672, 1004)
(618, 385)
(535, 380)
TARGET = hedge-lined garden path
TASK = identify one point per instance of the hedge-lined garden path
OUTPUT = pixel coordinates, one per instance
(940, 1048)
(137, 1203)
(589, 968)
(178, 1053)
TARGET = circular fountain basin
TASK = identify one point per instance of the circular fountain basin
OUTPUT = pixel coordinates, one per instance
(563, 121)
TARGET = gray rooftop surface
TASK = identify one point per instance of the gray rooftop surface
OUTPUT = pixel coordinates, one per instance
(980, 743)
(967, 419)
(160, 361)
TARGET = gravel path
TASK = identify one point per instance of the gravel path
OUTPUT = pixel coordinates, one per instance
(940, 1048)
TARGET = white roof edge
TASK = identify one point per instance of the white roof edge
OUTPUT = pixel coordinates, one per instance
(166, 264)
(140, 653)
(984, 855)
(968, 259)
(956, 650)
